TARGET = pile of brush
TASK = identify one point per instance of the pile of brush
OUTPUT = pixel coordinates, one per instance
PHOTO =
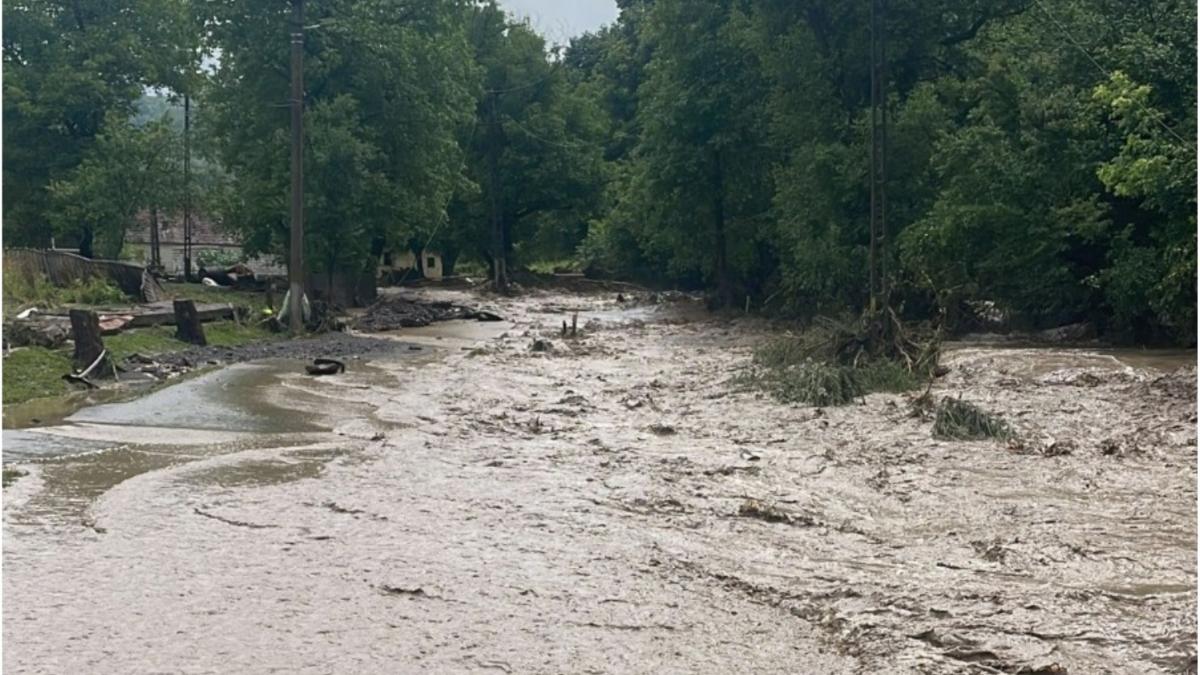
(835, 362)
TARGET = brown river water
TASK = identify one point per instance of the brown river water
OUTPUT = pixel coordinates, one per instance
(477, 506)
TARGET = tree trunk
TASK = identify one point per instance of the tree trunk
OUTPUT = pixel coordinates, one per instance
(85, 243)
(187, 323)
(85, 330)
(721, 262)
(449, 259)
(419, 258)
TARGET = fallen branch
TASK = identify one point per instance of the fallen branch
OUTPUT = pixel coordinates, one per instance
(228, 521)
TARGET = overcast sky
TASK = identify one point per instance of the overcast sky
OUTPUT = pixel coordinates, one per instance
(560, 20)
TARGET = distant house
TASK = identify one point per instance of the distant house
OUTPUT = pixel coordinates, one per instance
(208, 241)
(396, 266)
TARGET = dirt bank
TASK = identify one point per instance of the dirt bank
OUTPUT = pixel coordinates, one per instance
(610, 504)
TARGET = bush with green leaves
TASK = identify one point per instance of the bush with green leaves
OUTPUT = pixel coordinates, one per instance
(218, 259)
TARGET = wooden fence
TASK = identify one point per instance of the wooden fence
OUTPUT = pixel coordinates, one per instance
(63, 269)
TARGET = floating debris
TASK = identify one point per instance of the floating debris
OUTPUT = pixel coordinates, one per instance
(962, 421)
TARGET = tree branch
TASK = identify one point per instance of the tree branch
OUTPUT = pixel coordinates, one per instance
(971, 31)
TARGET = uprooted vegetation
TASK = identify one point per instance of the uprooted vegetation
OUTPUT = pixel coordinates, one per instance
(963, 421)
(835, 362)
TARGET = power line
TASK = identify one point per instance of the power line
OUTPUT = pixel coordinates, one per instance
(565, 146)
(1154, 114)
(527, 85)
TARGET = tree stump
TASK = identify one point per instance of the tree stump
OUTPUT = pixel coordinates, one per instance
(187, 323)
(85, 330)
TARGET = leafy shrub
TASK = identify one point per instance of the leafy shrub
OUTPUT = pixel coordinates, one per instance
(218, 259)
(93, 291)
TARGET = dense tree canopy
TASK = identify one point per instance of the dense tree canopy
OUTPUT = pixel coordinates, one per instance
(69, 69)
(1041, 156)
(534, 155)
(387, 87)
(126, 170)
(1052, 177)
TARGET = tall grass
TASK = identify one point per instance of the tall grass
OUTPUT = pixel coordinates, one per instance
(22, 291)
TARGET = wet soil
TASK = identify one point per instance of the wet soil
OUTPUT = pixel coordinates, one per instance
(610, 503)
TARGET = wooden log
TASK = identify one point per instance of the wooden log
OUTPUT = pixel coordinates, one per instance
(155, 316)
(187, 323)
(89, 348)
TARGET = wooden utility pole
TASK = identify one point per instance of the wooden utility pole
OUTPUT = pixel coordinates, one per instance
(296, 259)
(187, 187)
(499, 246)
(877, 260)
(155, 240)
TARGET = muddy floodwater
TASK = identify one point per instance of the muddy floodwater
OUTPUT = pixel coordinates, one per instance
(607, 503)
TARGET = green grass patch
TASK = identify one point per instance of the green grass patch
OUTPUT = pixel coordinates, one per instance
(22, 292)
(151, 340)
(161, 339)
(230, 334)
(549, 266)
(35, 372)
(962, 421)
(255, 301)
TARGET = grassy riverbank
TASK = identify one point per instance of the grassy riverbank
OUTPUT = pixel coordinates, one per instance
(36, 372)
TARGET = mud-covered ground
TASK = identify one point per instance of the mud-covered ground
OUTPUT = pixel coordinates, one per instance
(614, 504)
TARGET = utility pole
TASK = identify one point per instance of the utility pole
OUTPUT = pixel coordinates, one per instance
(155, 243)
(877, 260)
(187, 188)
(296, 261)
(499, 246)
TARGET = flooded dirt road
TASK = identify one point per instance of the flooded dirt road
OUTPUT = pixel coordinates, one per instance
(611, 503)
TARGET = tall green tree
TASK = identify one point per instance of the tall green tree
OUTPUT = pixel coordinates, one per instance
(697, 189)
(126, 171)
(1039, 154)
(535, 154)
(387, 92)
(69, 66)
